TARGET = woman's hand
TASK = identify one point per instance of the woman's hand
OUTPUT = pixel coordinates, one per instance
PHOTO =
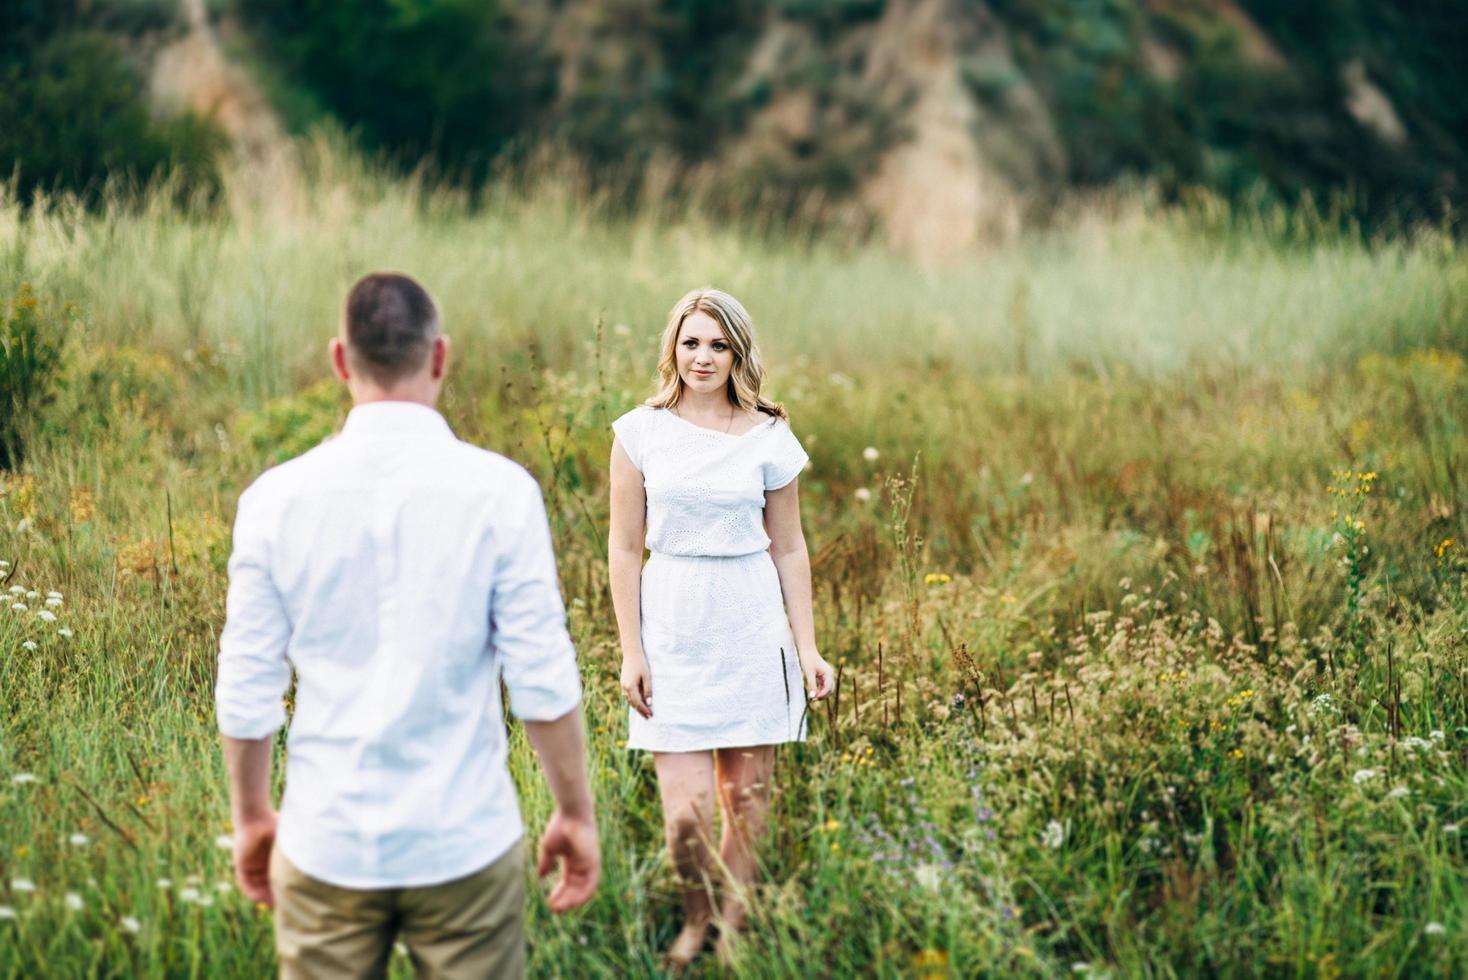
(820, 678)
(637, 684)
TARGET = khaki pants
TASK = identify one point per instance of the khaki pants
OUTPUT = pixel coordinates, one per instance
(470, 927)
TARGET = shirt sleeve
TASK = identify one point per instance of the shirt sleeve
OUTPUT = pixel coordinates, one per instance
(786, 458)
(253, 670)
(628, 429)
(528, 620)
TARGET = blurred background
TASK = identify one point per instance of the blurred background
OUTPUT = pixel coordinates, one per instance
(939, 124)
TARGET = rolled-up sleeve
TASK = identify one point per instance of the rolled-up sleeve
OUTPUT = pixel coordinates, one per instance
(527, 618)
(253, 670)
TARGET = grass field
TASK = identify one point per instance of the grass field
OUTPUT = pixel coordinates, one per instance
(1150, 609)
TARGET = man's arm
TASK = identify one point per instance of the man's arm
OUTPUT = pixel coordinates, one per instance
(538, 664)
(253, 676)
(571, 832)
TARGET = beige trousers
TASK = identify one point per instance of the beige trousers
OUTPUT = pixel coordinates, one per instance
(470, 927)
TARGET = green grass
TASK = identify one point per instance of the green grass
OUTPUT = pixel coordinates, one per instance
(1099, 515)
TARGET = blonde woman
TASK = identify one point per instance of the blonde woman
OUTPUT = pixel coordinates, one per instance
(705, 474)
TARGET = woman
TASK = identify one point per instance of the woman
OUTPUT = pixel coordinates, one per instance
(707, 470)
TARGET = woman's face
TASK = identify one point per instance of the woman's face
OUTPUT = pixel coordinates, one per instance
(704, 355)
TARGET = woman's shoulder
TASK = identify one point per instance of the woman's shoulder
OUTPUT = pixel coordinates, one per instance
(638, 415)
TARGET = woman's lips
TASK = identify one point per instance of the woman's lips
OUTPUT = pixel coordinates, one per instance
(703, 374)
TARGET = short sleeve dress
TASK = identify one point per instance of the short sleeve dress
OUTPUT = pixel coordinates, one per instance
(724, 667)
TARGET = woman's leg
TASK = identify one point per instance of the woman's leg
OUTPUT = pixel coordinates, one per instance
(744, 779)
(686, 781)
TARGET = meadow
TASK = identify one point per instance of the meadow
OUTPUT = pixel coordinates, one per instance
(1138, 542)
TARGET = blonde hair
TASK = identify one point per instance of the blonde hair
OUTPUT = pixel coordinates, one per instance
(747, 375)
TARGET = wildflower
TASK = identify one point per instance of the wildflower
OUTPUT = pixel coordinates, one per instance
(1444, 546)
(1053, 835)
(21, 778)
(22, 885)
(32, 595)
(1434, 929)
(74, 901)
(165, 883)
(29, 645)
(17, 590)
(47, 616)
(224, 842)
(863, 495)
(1436, 735)
(1027, 479)
(53, 595)
(79, 840)
(19, 606)
(224, 888)
(53, 602)
(1363, 776)
(870, 454)
(1398, 792)
(833, 825)
(129, 924)
(189, 895)
(1450, 828)
(936, 578)
(6, 912)
(4, 563)
(64, 632)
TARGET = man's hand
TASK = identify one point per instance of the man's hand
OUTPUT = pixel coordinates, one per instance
(253, 842)
(575, 844)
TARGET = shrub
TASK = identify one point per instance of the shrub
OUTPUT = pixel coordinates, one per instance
(32, 338)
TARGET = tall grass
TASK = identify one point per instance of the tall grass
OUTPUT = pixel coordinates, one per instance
(1122, 683)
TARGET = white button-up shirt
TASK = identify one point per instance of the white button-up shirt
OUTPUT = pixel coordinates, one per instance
(401, 573)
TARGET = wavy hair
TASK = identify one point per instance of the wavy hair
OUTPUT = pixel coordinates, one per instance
(747, 375)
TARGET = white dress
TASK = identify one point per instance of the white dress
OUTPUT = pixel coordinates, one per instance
(724, 667)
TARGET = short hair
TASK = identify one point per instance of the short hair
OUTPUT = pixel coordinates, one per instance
(391, 323)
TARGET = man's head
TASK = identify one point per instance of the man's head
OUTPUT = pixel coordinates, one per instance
(390, 348)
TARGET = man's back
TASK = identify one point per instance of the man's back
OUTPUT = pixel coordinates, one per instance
(400, 571)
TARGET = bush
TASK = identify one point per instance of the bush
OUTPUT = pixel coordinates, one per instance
(75, 113)
(31, 346)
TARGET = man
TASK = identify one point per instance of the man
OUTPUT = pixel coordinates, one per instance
(402, 573)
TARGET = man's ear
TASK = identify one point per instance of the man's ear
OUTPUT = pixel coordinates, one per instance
(439, 359)
(338, 352)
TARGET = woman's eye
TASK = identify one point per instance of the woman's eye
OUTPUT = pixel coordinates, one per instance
(720, 347)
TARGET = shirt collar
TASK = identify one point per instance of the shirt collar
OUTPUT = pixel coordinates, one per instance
(395, 419)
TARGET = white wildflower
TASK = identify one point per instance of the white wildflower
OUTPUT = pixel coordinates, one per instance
(1053, 836)
(22, 885)
(79, 840)
(1436, 735)
(19, 606)
(870, 454)
(206, 900)
(21, 778)
(863, 495)
(930, 876)
(194, 880)
(53, 595)
(189, 895)
(53, 602)
(32, 595)
(224, 842)
(6, 912)
(224, 888)
(64, 632)
(17, 590)
(1450, 828)
(4, 563)
(47, 616)
(30, 645)
(1398, 792)
(1363, 776)
(74, 901)
(1027, 479)
(129, 924)
(165, 883)
(1434, 929)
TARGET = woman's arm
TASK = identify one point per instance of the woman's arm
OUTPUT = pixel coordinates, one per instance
(624, 569)
(792, 563)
